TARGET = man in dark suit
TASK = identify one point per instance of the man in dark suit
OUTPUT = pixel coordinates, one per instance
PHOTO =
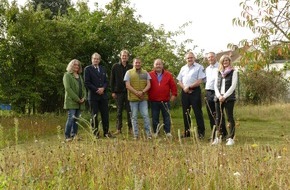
(96, 83)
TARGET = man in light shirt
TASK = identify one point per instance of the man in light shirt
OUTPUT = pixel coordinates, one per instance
(211, 72)
(190, 77)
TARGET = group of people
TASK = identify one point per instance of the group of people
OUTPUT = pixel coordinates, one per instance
(133, 87)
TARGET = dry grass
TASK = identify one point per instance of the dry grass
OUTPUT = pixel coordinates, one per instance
(255, 162)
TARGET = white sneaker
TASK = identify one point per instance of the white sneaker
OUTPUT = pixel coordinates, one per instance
(68, 139)
(216, 141)
(230, 142)
(168, 135)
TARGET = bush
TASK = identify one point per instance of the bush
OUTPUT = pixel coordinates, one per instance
(263, 86)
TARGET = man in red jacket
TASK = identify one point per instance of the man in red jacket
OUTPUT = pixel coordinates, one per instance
(163, 90)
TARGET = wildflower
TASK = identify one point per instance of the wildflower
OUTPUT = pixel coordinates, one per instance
(254, 145)
(237, 174)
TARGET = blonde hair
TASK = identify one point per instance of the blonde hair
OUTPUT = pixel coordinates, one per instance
(137, 58)
(221, 66)
(69, 67)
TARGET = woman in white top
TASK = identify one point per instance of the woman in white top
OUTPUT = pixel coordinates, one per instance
(225, 85)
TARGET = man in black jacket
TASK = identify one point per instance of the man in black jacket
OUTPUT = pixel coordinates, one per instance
(119, 91)
(96, 83)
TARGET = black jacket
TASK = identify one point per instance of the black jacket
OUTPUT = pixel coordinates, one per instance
(228, 83)
(93, 80)
(117, 77)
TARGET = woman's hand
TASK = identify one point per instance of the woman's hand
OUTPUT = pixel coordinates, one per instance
(82, 100)
(221, 99)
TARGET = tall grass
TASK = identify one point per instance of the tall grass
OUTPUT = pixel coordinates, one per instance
(261, 161)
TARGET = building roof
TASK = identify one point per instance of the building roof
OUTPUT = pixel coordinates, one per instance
(234, 53)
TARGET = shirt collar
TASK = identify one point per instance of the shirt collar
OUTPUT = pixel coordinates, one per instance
(214, 65)
(191, 65)
(159, 73)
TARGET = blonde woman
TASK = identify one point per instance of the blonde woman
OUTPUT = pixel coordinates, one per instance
(74, 100)
(225, 85)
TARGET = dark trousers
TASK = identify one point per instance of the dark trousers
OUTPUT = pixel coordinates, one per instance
(122, 102)
(102, 107)
(192, 100)
(220, 117)
(164, 107)
(210, 107)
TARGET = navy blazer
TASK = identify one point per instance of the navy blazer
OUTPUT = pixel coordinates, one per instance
(95, 79)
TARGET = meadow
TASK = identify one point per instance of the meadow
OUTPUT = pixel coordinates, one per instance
(33, 155)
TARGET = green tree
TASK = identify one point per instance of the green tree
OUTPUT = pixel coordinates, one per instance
(269, 20)
(36, 52)
(55, 6)
(36, 46)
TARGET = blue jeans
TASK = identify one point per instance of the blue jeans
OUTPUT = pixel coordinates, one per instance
(142, 106)
(71, 127)
(164, 107)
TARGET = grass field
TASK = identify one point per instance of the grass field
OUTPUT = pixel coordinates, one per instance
(34, 156)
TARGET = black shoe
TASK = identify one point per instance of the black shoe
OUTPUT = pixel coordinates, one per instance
(185, 135)
(200, 136)
(109, 135)
(97, 135)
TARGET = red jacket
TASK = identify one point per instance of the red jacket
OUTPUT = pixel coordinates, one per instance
(162, 91)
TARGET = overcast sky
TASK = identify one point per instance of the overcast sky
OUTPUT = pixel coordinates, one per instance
(211, 27)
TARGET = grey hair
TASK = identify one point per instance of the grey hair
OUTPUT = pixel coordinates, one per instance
(158, 60)
(189, 52)
(213, 53)
(69, 67)
(96, 54)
